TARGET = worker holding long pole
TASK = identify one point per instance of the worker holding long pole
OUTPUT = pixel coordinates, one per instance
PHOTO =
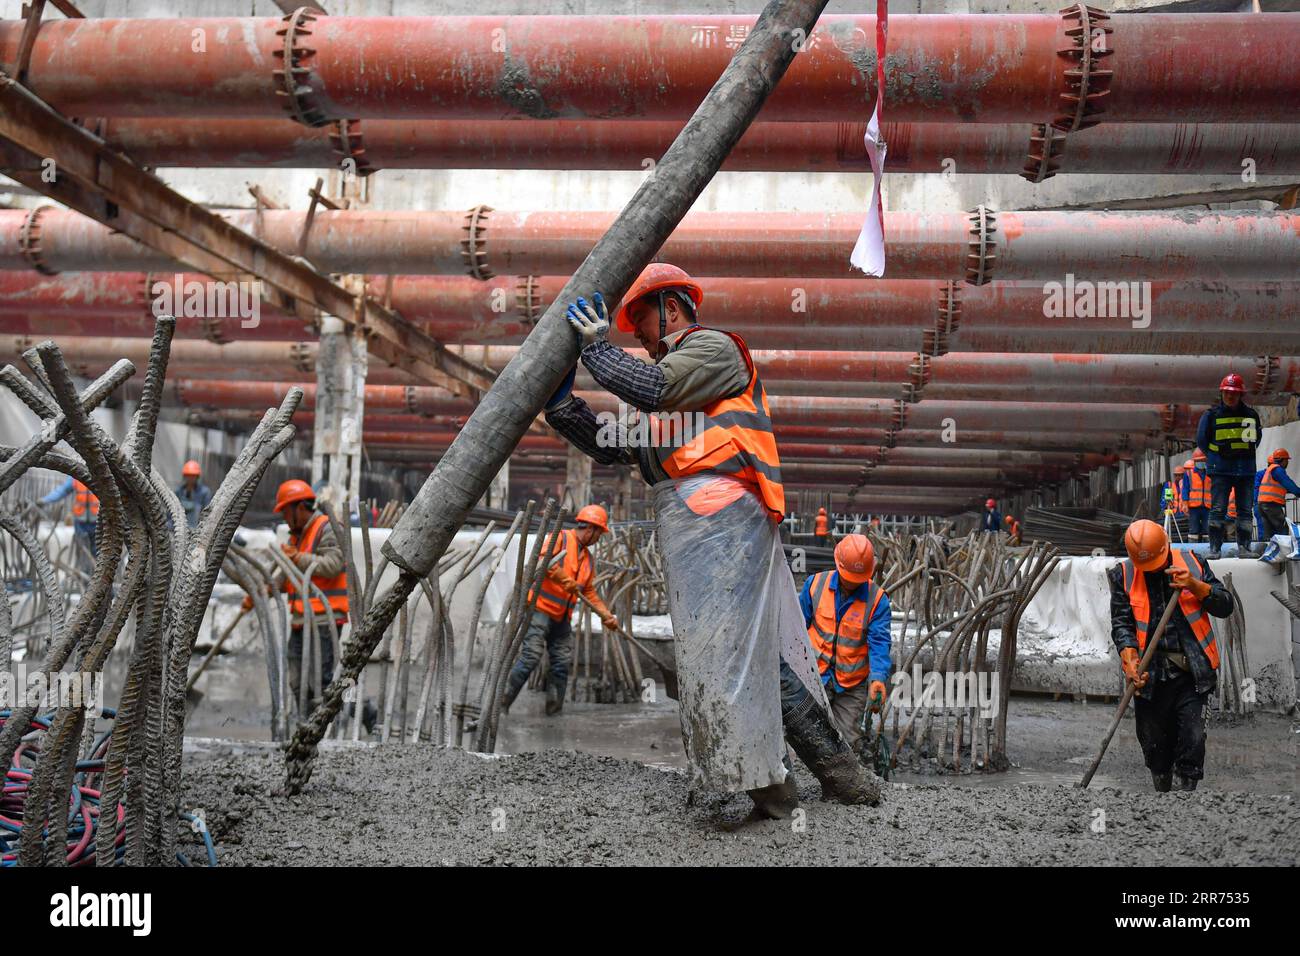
(701, 435)
(1173, 695)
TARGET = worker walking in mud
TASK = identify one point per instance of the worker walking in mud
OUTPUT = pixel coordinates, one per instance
(312, 547)
(571, 571)
(710, 456)
(848, 617)
(1172, 700)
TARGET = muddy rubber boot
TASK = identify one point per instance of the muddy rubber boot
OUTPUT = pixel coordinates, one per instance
(1186, 783)
(1162, 781)
(554, 701)
(777, 802)
(819, 745)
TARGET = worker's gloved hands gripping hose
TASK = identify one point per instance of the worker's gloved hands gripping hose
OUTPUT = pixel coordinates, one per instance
(876, 696)
(589, 320)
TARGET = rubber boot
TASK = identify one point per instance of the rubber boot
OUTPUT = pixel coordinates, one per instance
(777, 802)
(554, 700)
(1186, 783)
(1162, 781)
(819, 745)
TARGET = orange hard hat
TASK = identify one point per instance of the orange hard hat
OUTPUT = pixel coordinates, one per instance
(1280, 455)
(1232, 382)
(295, 489)
(657, 277)
(855, 558)
(594, 515)
(821, 511)
(1007, 519)
(1178, 470)
(191, 467)
(1147, 544)
(1198, 455)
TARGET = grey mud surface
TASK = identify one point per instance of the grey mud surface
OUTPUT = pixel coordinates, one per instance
(421, 805)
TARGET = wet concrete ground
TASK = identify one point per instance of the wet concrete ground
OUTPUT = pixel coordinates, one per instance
(421, 805)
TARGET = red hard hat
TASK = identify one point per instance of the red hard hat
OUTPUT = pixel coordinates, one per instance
(990, 503)
(295, 489)
(1232, 382)
(594, 515)
(657, 276)
(1147, 545)
(191, 467)
(855, 558)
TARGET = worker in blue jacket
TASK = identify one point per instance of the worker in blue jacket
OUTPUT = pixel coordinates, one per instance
(1228, 434)
(847, 616)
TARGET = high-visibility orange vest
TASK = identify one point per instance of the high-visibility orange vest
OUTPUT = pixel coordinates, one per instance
(821, 526)
(82, 501)
(1198, 490)
(843, 645)
(1138, 599)
(335, 589)
(1015, 530)
(735, 439)
(1271, 491)
(555, 602)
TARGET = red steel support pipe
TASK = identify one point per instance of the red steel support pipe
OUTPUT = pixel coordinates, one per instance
(1219, 67)
(1063, 247)
(823, 314)
(765, 147)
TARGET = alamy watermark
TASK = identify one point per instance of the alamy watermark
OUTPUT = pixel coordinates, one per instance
(209, 299)
(949, 690)
(632, 428)
(19, 688)
(1083, 299)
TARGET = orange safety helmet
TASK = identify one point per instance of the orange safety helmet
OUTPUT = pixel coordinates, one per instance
(821, 511)
(1147, 544)
(594, 515)
(1280, 455)
(1198, 455)
(855, 558)
(191, 467)
(295, 489)
(1232, 382)
(1179, 469)
(657, 277)
(1007, 520)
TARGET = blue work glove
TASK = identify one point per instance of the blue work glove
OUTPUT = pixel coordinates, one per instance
(562, 392)
(590, 321)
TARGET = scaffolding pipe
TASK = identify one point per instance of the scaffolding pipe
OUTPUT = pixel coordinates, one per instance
(1060, 247)
(1218, 67)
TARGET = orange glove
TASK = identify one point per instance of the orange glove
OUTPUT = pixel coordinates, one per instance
(563, 579)
(289, 550)
(876, 695)
(1129, 660)
(609, 621)
(247, 603)
(1182, 578)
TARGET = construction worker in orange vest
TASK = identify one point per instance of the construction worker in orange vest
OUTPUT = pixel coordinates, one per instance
(848, 616)
(312, 546)
(1172, 696)
(85, 510)
(1013, 528)
(1196, 493)
(821, 527)
(721, 497)
(572, 573)
(1273, 489)
(1177, 483)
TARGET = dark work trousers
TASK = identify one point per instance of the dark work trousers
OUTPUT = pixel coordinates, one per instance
(1171, 726)
(556, 639)
(1220, 487)
(1274, 520)
(1198, 523)
(323, 652)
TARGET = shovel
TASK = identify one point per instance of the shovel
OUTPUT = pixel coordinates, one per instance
(192, 695)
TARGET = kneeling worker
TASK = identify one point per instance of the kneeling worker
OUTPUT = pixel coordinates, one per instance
(548, 629)
(1172, 696)
(848, 623)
